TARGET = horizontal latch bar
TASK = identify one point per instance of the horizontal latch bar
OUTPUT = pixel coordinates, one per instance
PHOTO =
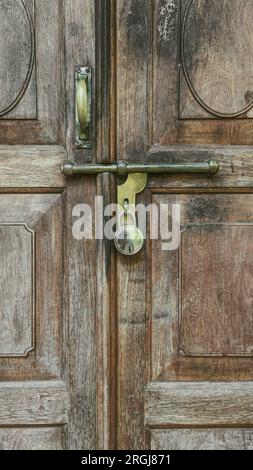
(123, 168)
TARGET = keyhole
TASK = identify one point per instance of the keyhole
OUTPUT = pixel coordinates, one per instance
(129, 240)
(129, 248)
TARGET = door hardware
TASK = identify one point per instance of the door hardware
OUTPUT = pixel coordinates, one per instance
(122, 168)
(129, 239)
(83, 107)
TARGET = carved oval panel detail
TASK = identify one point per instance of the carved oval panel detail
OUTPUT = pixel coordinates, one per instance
(217, 57)
(16, 52)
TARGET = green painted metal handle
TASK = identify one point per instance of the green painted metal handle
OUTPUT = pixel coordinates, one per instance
(122, 168)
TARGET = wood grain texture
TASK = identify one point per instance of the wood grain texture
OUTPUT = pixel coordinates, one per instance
(43, 213)
(17, 53)
(106, 324)
(216, 275)
(236, 168)
(146, 125)
(33, 438)
(33, 403)
(106, 329)
(216, 43)
(131, 351)
(163, 312)
(199, 404)
(150, 129)
(132, 67)
(80, 308)
(32, 167)
(17, 301)
(26, 108)
(132, 71)
(47, 126)
(32, 189)
(164, 64)
(80, 30)
(216, 213)
(204, 48)
(80, 256)
(202, 439)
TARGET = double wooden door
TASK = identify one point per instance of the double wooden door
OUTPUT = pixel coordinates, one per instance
(98, 350)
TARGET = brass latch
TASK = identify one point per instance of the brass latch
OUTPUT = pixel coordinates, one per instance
(129, 239)
(122, 168)
(83, 107)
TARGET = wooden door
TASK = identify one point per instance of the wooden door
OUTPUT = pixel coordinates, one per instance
(98, 350)
(184, 349)
(47, 282)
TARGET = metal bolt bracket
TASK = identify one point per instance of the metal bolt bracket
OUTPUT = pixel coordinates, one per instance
(129, 239)
(122, 168)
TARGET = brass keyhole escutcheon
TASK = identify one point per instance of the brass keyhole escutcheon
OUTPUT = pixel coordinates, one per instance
(129, 239)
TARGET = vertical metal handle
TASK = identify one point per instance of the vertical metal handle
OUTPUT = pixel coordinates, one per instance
(83, 107)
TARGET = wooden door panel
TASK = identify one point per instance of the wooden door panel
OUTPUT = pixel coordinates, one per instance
(200, 72)
(40, 438)
(31, 283)
(179, 332)
(215, 317)
(218, 407)
(31, 314)
(17, 311)
(201, 294)
(27, 166)
(33, 403)
(48, 282)
(202, 439)
(184, 94)
(214, 84)
(18, 90)
(192, 404)
(31, 58)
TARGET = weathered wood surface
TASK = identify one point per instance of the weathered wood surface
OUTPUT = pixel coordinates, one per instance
(132, 68)
(131, 62)
(17, 51)
(236, 168)
(140, 342)
(80, 29)
(39, 116)
(43, 214)
(65, 339)
(80, 256)
(33, 403)
(199, 404)
(105, 258)
(31, 167)
(164, 81)
(215, 58)
(175, 293)
(40, 438)
(202, 439)
(215, 317)
(216, 44)
(150, 98)
(17, 312)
